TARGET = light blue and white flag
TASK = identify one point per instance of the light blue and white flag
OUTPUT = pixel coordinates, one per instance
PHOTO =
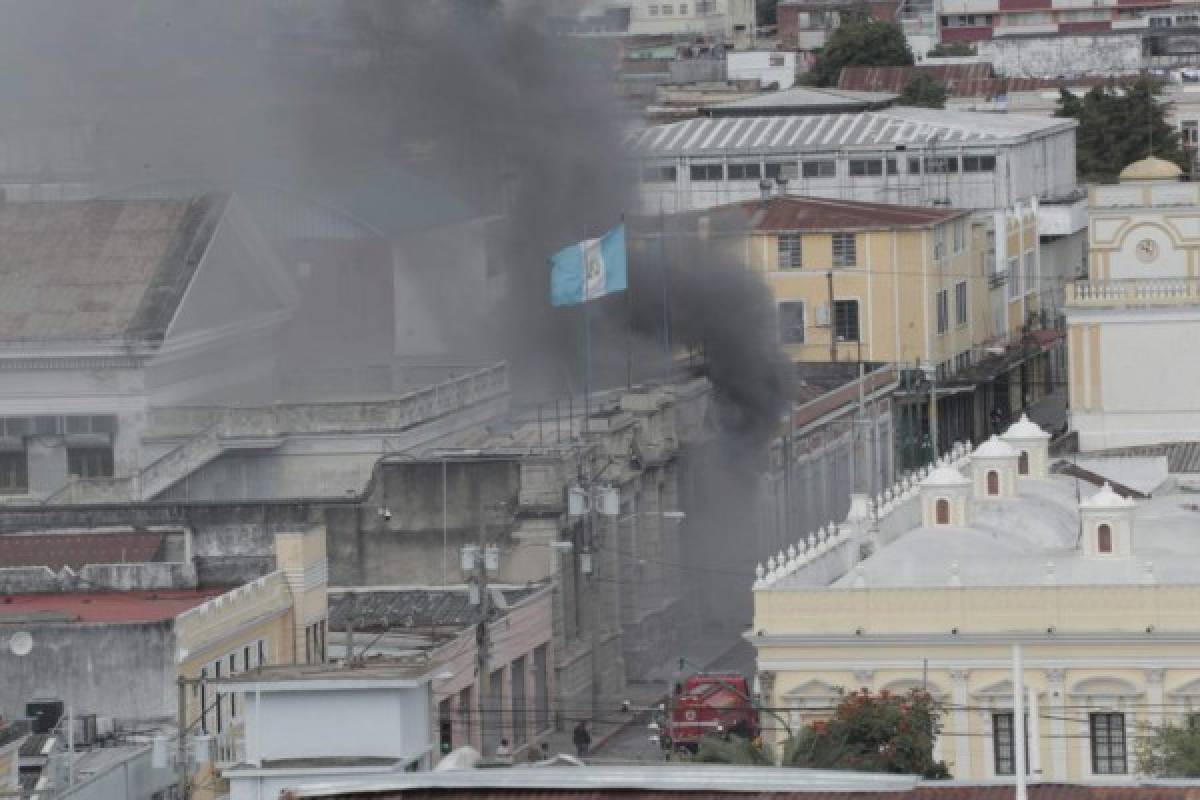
(589, 269)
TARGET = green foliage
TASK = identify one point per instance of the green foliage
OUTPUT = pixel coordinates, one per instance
(1171, 751)
(732, 750)
(943, 49)
(872, 733)
(861, 42)
(1118, 126)
(925, 91)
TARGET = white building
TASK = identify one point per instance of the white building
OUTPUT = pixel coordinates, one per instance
(319, 723)
(771, 68)
(1139, 304)
(733, 21)
(909, 156)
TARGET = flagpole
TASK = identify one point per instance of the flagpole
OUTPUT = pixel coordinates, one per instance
(587, 362)
(628, 327)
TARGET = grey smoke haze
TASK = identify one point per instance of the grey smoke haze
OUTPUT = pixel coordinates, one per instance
(330, 99)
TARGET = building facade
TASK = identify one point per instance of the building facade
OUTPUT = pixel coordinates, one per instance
(1138, 303)
(732, 21)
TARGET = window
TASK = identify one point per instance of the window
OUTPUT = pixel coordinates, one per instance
(845, 320)
(1189, 132)
(541, 688)
(782, 169)
(232, 697)
(220, 699)
(658, 174)
(261, 653)
(445, 727)
(520, 723)
(1104, 539)
(960, 303)
(865, 166)
(707, 172)
(464, 715)
(978, 164)
(845, 249)
(653, 11)
(1108, 743)
(668, 10)
(941, 164)
(993, 483)
(90, 462)
(1004, 743)
(1030, 271)
(745, 172)
(203, 700)
(939, 242)
(943, 311)
(683, 9)
(791, 323)
(1014, 277)
(14, 472)
(777, 60)
(790, 250)
(821, 168)
(914, 165)
(960, 235)
(1023, 463)
(943, 511)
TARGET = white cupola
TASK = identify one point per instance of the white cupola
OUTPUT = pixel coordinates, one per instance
(994, 470)
(1107, 524)
(1033, 448)
(945, 495)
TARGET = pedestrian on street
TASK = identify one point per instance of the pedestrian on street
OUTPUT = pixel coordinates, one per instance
(582, 739)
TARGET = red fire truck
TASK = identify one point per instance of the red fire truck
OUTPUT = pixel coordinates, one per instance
(708, 705)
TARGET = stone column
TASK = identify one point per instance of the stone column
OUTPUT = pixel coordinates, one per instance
(962, 724)
(1155, 695)
(1056, 702)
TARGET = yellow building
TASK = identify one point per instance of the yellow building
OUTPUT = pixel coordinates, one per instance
(986, 551)
(1139, 302)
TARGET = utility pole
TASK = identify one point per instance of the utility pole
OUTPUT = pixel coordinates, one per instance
(181, 775)
(833, 354)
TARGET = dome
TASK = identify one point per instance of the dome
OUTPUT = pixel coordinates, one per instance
(945, 476)
(994, 448)
(1151, 169)
(1025, 428)
(1106, 498)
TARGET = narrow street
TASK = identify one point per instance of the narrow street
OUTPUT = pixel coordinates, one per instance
(632, 743)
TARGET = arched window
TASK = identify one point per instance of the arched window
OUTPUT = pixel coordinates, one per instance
(993, 483)
(943, 511)
(1023, 463)
(1104, 539)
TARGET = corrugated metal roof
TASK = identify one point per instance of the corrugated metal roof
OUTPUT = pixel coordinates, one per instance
(960, 80)
(816, 132)
(804, 97)
(99, 268)
(394, 609)
(76, 550)
(1182, 457)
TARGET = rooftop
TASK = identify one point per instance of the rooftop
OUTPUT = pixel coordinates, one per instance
(99, 268)
(961, 80)
(152, 606)
(791, 213)
(829, 132)
(419, 608)
(76, 550)
(1011, 542)
(801, 100)
(389, 671)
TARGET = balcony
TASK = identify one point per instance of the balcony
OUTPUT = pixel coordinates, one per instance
(1138, 292)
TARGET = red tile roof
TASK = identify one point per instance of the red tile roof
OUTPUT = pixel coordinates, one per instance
(961, 80)
(56, 550)
(102, 606)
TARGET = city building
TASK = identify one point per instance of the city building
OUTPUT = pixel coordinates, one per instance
(919, 288)
(732, 21)
(929, 584)
(907, 156)
(116, 652)
(442, 624)
(773, 69)
(1139, 299)
(805, 25)
(324, 723)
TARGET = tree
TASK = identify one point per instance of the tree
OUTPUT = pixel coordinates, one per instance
(925, 91)
(861, 42)
(733, 749)
(1170, 751)
(943, 49)
(872, 733)
(1119, 125)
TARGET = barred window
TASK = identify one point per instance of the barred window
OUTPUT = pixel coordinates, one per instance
(960, 302)
(790, 251)
(707, 172)
(820, 168)
(1108, 744)
(845, 250)
(845, 320)
(943, 311)
(747, 171)
(791, 323)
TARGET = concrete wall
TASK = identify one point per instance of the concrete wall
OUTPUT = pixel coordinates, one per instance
(120, 670)
(134, 778)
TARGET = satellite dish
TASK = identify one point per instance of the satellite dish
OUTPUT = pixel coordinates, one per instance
(20, 643)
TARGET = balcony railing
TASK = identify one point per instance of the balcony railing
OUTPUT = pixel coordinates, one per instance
(1138, 292)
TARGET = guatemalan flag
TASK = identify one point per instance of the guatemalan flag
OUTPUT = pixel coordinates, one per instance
(588, 269)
